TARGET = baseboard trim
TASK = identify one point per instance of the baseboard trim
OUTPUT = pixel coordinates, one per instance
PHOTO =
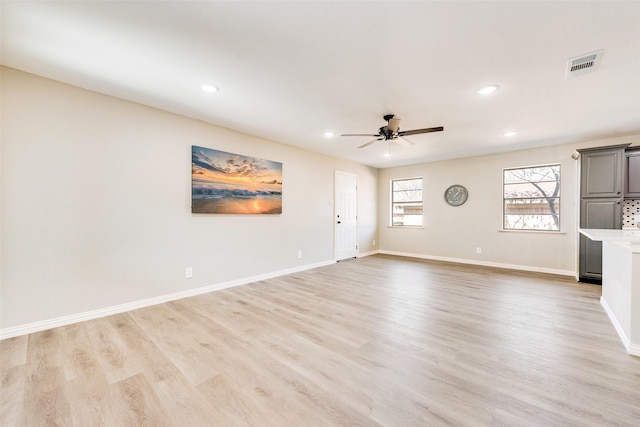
(633, 349)
(147, 302)
(483, 263)
(364, 254)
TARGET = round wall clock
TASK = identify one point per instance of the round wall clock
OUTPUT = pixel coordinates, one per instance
(456, 195)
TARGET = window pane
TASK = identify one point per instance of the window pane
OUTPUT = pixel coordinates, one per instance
(530, 222)
(415, 220)
(530, 189)
(407, 184)
(402, 209)
(531, 206)
(408, 196)
(543, 173)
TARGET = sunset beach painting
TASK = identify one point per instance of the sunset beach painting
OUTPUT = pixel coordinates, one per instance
(227, 183)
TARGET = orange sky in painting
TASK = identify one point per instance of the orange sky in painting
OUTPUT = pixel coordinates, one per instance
(219, 167)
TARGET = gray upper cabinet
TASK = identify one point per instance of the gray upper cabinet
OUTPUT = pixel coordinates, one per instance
(632, 181)
(602, 172)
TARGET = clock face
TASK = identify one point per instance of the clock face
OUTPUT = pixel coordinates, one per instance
(456, 195)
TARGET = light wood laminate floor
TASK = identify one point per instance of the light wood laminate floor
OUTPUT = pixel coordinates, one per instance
(374, 341)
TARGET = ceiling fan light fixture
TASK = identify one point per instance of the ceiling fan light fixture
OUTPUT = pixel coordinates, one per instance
(209, 88)
(487, 90)
(329, 134)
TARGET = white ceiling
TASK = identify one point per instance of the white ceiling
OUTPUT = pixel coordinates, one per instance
(289, 71)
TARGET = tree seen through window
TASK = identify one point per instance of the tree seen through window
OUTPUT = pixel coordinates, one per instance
(406, 202)
(532, 198)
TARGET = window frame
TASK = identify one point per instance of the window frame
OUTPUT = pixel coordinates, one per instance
(558, 197)
(392, 202)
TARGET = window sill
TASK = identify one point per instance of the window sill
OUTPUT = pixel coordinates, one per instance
(502, 230)
(406, 226)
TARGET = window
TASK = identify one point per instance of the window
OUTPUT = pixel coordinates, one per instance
(532, 198)
(406, 202)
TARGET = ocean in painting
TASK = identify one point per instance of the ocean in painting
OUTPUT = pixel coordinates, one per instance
(206, 199)
(227, 183)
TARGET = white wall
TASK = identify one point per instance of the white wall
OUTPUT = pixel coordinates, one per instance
(96, 204)
(454, 233)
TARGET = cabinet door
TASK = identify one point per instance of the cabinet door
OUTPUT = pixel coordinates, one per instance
(632, 185)
(601, 213)
(590, 259)
(596, 213)
(602, 173)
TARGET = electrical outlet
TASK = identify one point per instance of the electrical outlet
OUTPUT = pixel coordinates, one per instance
(374, 243)
(188, 272)
(478, 250)
(299, 254)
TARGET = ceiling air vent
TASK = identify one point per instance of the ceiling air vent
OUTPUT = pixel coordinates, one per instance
(584, 64)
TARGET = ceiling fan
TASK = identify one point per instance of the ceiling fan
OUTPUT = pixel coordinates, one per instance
(392, 132)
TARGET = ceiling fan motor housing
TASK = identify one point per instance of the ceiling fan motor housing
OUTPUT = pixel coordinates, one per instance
(384, 132)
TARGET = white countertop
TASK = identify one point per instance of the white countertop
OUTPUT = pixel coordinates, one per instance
(602, 235)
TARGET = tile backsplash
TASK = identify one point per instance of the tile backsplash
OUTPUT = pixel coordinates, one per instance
(631, 213)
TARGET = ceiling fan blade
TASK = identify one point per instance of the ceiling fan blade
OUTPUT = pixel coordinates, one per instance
(358, 134)
(418, 131)
(404, 141)
(370, 142)
(394, 125)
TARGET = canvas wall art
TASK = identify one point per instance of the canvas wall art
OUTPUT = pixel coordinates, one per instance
(227, 183)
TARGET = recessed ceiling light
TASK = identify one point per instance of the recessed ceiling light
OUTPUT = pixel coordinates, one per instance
(328, 134)
(387, 154)
(209, 88)
(510, 133)
(487, 90)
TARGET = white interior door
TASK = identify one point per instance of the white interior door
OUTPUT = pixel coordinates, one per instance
(345, 215)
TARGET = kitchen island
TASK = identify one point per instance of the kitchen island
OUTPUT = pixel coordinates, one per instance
(621, 282)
